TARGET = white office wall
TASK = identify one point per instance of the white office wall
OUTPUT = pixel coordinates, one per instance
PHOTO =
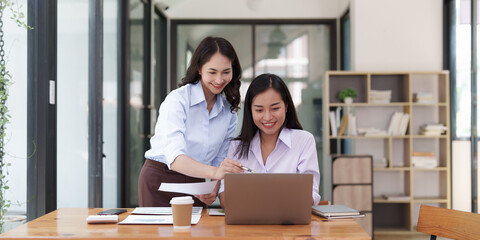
(258, 9)
(396, 35)
(386, 34)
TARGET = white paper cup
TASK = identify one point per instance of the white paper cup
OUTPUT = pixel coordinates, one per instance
(182, 212)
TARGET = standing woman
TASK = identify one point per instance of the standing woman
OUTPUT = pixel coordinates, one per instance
(194, 126)
(272, 139)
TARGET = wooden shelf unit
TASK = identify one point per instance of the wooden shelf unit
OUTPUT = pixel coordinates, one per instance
(431, 186)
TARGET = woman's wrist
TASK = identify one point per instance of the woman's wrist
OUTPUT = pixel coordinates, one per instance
(213, 173)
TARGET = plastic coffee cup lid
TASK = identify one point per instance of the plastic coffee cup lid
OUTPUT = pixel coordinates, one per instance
(182, 200)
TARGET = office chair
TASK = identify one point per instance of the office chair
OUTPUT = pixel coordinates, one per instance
(448, 223)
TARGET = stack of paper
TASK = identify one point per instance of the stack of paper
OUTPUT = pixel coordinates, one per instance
(372, 132)
(335, 211)
(152, 219)
(157, 215)
(380, 162)
(424, 160)
(433, 129)
(380, 96)
(163, 215)
(423, 97)
(396, 197)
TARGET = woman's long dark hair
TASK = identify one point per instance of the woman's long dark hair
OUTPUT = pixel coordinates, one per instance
(259, 85)
(205, 50)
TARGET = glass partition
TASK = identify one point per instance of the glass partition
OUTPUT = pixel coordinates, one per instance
(190, 35)
(463, 71)
(135, 108)
(300, 55)
(72, 103)
(110, 103)
(16, 130)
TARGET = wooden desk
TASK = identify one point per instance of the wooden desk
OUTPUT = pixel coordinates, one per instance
(70, 223)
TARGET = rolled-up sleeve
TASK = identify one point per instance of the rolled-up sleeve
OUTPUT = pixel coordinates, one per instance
(308, 163)
(170, 128)
(222, 153)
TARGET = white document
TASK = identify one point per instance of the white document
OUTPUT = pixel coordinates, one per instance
(216, 212)
(154, 219)
(189, 188)
(162, 210)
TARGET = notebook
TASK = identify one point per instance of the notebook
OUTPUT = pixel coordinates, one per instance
(335, 211)
(268, 198)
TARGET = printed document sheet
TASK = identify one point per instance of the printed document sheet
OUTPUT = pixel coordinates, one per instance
(154, 219)
(162, 210)
(189, 188)
(216, 212)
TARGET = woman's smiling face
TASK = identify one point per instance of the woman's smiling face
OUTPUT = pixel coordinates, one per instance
(268, 112)
(216, 74)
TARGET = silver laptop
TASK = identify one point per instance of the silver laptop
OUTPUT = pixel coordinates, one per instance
(268, 198)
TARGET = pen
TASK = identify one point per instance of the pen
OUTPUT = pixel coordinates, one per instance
(247, 169)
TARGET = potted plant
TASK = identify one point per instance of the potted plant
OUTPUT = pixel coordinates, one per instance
(5, 82)
(347, 95)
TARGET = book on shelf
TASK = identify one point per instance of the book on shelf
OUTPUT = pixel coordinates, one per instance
(434, 129)
(424, 160)
(343, 125)
(332, 211)
(352, 125)
(423, 154)
(333, 124)
(371, 132)
(394, 121)
(398, 124)
(396, 197)
(424, 163)
(423, 97)
(404, 124)
(380, 96)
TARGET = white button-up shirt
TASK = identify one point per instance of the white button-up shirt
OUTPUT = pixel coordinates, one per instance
(185, 126)
(295, 152)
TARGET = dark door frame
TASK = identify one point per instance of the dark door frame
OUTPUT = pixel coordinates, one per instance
(95, 104)
(42, 108)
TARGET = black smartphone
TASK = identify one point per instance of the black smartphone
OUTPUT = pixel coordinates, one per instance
(112, 212)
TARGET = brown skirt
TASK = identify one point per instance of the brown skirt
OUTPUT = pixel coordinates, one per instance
(154, 173)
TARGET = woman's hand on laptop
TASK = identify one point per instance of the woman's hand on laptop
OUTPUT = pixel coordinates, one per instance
(228, 166)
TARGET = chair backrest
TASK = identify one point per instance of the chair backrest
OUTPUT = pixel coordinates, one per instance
(324, 203)
(448, 223)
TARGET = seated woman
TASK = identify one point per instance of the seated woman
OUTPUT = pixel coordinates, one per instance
(272, 139)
